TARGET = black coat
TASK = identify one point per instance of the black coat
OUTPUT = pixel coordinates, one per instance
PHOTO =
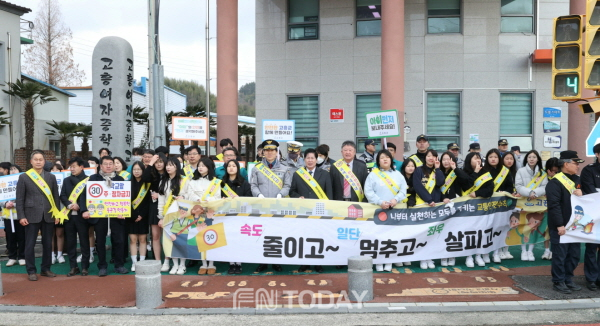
(143, 208)
(410, 190)
(68, 186)
(559, 201)
(31, 202)
(508, 184)
(301, 189)
(436, 194)
(590, 178)
(457, 186)
(359, 168)
(243, 190)
(486, 190)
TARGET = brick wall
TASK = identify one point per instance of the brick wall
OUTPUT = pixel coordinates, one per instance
(21, 159)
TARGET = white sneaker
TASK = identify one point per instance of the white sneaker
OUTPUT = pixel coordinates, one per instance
(486, 258)
(524, 256)
(398, 264)
(387, 267)
(407, 263)
(53, 259)
(549, 257)
(530, 256)
(91, 259)
(480, 262)
(148, 247)
(546, 255)
(451, 261)
(133, 267)
(79, 258)
(444, 262)
(379, 267)
(11, 262)
(497, 259)
(181, 269)
(423, 264)
(469, 262)
(501, 255)
(430, 264)
(507, 255)
(22, 262)
(61, 259)
(174, 269)
(165, 266)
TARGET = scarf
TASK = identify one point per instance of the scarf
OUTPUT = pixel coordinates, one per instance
(108, 177)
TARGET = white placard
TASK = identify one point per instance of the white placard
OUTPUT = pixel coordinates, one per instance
(185, 128)
(381, 124)
(280, 130)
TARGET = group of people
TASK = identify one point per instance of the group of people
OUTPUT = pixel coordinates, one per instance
(157, 179)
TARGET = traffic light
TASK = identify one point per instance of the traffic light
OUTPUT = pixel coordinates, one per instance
(566, 59)
(592, 45)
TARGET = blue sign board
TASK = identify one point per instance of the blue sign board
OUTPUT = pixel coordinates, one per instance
(592, 139)
(552, 112)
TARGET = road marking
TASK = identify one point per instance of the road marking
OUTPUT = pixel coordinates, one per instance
(491, 279)
(457, 270)
(196, 295)
(323, 282)
(443, 280)
(232, 283)
(379, 281)
(185, 284)
(272, 283)
(431, 281)
(311, 282)
(454, 291)
(395, 271)
(408, 271)
(445, 270)
(198, 284)
(479, 279)
(242, 283)
(494, 269)
(282, 284)
(504, 268)
(392, 281)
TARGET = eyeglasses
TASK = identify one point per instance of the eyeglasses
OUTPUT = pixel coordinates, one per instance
(228, 155)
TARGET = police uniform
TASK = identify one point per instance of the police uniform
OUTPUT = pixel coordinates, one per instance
(419, 155)
(367, 157)
(293, 148)
(459, 161)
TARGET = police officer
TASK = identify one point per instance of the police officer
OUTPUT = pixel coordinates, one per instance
(503, 146)
(270, 185)
(294, 160)
(422, 147)
(454, 149)
(590, 183)
(369, 155)
(565, 256)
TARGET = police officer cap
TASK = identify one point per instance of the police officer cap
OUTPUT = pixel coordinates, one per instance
(502, 142)
(294, 146)
(474, 146)
(422, 137)
(453, 146)
(270, 144)
(570, 155)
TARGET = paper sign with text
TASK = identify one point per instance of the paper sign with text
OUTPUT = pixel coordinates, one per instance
(103, 201)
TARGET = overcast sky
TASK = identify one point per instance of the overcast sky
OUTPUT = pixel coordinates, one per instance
(182, 34)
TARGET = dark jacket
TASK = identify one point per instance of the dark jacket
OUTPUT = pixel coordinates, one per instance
(411, 194)
(590, 178)
(143, 208)
(31, 203)
(486, 190)
(455, 190)
(508, 184)
(559, 201)
(301, 189)
(418, 178)
(359, 168)
(242, 190)
(68, 186)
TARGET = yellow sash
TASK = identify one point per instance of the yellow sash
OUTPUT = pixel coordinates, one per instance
(41, 183)
(270, 175)
(126, 175)
(449, 181)
(565, 181)
(312, 183)
(75, 193)
(213, 187)
(478, 183)
(6, 212)
(536, 181)
(172, 197)
(228, 191)
(389, 182)
(350, 177)
(418, 161)
(189, 172)
(405, 200)
(428, 186)
(140, 197)
(500, 178)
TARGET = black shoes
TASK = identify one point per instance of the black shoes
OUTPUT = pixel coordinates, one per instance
(121, 270)
(231, 269)
(303, 268)
(561, 287)
(74, 271)
(102, 272)
(191, 263)
(573, 286)
(235, 269)
(238, 269)
(48, 274)
(261, 268)
(277, 267)
(339, 266)
(33, 277)
(592, 286)
(319, 269)
(84, 272)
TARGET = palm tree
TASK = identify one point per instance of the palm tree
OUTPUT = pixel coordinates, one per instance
(168, 119)
(4, 120)
(65, 131)
(141, 118)
(30, 94)
(85, 132)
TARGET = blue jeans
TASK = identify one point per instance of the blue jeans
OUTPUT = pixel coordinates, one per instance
(565, 258)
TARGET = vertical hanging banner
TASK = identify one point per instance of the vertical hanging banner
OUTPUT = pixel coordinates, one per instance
(185, 128)
(112, 104)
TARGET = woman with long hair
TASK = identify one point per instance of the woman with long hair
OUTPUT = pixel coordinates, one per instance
(137, 225)
(171, 184)
(479, 185)
(531, 182)
(407, 170)
(427, 181)
(204, 186)
(153, 174)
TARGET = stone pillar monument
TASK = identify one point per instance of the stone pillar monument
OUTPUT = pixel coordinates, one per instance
(112, 105)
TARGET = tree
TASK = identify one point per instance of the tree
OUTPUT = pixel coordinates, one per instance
(4, 120)
(85, 132)
(65, 131)
(194, 92)
(50, 58)
(30, 94)
(141, 118)
(246, 100)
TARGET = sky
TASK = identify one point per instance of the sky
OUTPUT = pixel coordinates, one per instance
(181, 32)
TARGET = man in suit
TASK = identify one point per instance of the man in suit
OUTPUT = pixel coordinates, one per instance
(342, 188)
(302, 189)
(77, 224)
(34, 212)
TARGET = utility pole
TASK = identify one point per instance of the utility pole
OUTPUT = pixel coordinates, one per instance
(207, 110)
(156, 78)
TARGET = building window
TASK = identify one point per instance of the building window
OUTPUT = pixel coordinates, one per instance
(303, 21)
(443, 120)
(517, 16)
(443, 16)
(305, 111)
(365, 104)
(516, 119)
(368, 17)
(55, 146)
